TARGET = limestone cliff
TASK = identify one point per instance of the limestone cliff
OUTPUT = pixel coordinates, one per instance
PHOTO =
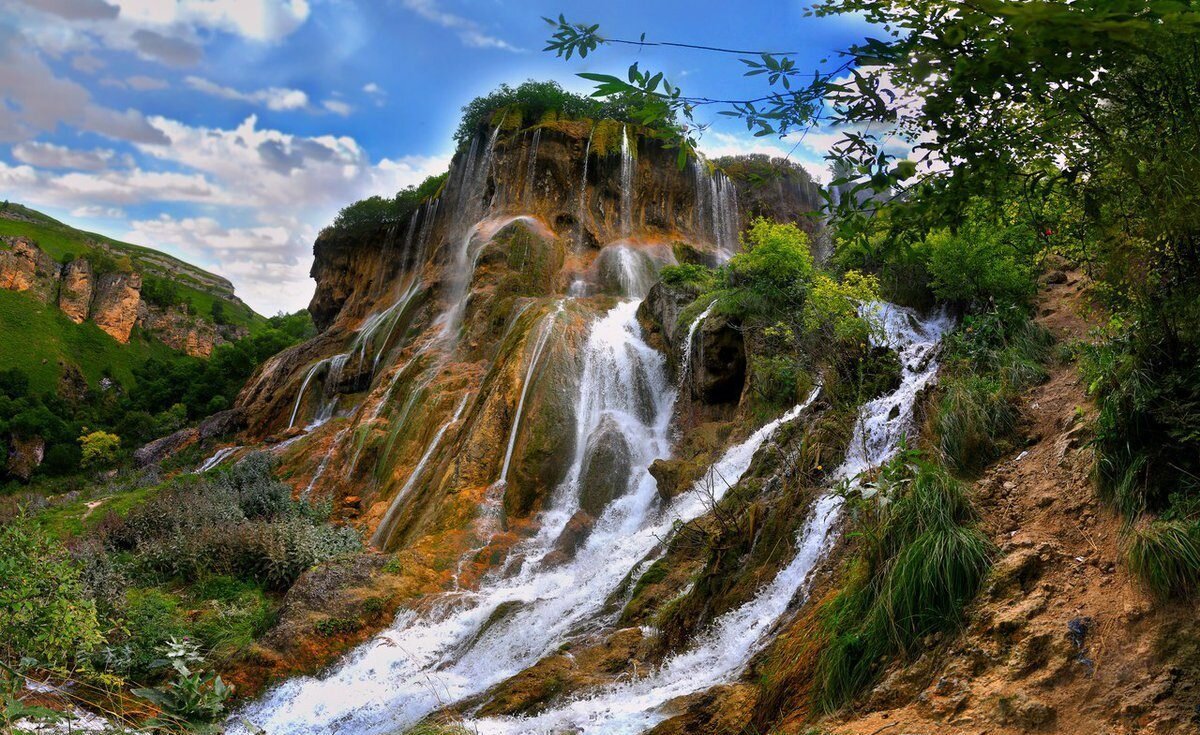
(112, 300)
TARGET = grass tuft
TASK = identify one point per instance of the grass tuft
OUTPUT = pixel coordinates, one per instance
(1165, 555)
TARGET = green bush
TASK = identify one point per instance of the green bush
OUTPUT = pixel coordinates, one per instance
(1165, 555)
(376, 210)
(976, 268)
(529, 102)
(44, 613)
(687, 275)
(921, 558)
(990, 360)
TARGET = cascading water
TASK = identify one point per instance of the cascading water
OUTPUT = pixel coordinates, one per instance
(534, 359)
(386, 526)
(685, 356)
(724, 650)
(626, 270)
(531, 168)
(472, 640)
(587, 154)
(217, 458)
(627, 165)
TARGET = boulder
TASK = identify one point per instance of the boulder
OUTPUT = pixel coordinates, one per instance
(222, 423)
(160, 449)
(606, 468)
(718, 362)
(659, 313)
(24, 456)
(666, 474)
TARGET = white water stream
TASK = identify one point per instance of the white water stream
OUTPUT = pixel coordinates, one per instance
(469, 641)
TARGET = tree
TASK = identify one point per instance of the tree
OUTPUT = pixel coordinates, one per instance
(100, 449)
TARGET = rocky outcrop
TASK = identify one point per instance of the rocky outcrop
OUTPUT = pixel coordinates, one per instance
(160, 449)
(659, 313)
(179, 330)
(76, 291)
(222, 423)
(112, 300)
(115, 307)
(25, 267)
(24, 456)
(718, 362)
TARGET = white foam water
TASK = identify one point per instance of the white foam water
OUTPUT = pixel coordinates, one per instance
(723, 651)
(685, 355)
(469, 641)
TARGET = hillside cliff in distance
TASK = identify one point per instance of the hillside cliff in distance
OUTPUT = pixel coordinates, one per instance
(118, 286)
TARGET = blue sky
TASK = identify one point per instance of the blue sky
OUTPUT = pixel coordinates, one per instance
(228, 132)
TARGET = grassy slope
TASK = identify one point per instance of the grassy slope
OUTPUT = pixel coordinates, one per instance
(37, 336)
(60, 240)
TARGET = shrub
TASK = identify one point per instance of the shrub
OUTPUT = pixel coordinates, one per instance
(688, 275)
(776, 261)
(921, 559)
(99, 449)
(1165, 555)
(44, 613)
(529, 102)
(151, 618)
(976, 268)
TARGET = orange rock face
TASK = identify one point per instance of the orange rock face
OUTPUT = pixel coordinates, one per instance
(75, 292)
(24, 267)
(115, 308)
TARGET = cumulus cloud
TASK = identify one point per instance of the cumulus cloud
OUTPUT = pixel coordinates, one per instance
(337, 107)
(467, 30)
(87, 63)
(107, 187)
(273, 98)
(48, 155)
(167, 49)
(260, 20)
(76, 9)
(143, 83)
(33, 99)
(93, 212)
(266, 261)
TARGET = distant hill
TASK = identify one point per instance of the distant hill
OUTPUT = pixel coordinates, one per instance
(84, 299)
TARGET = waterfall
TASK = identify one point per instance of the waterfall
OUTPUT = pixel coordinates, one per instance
(304, 388)
(543, 336)
(723, 651)
(531, 168)
(217, 458)
(685, 356)
(471, 640)
(630, 270)
(384, 531)
(626, 184)
(587, 154)
(726, 218)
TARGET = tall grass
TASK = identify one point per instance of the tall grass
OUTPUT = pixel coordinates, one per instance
(1165, 555)
(922, 558)
(990, 361)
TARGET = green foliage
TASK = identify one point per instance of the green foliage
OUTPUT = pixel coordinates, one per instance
(239, 522)
(1165, 555)
(162, 292)
(335, 626)
(832, 310)
(920, 559)
(376, 211)
(99, 449)
(690, 275)
(528, 103)
(192, 696)
(775, 263)
(975, 269)
(990, 360)
(43, 612)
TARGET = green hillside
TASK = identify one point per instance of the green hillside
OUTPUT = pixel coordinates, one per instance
(196, 286)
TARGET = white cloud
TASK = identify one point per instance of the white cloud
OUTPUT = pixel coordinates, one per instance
(98, 213)
(808, 154)
(114, 186)
(48, 155)
(34, 100)
(260, 20)
(273, 98)
(143, 83)
(265, 261)
(337, 107)
(467, 30)
(76, 9)
(87, 63)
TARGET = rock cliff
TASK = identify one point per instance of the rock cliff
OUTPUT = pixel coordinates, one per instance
(113, 300)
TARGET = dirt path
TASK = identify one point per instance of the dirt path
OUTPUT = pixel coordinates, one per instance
(1062, 639)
